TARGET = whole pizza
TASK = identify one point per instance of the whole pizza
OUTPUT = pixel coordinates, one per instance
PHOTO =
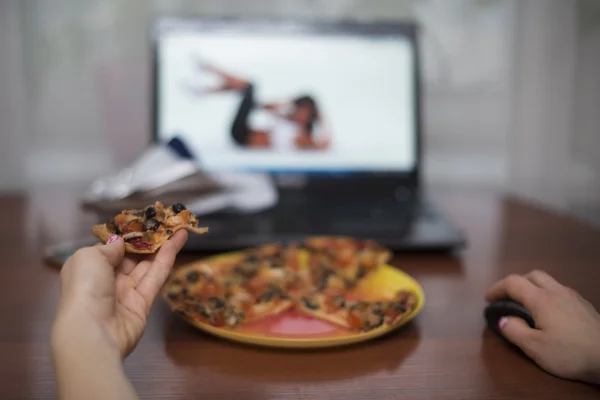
(316, 277)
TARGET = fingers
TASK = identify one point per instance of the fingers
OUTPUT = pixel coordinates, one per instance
(89, 269)
(130, 262)
(161, 266)
(140, 270)
(113, 250)
(515, 287)
(516, 331)
(179, 238)
(543, 280)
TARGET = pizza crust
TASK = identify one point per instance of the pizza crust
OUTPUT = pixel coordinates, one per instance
(334, 318)
(102, 232)
(262, 311)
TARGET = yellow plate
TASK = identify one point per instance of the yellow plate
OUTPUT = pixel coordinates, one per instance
(384, 282)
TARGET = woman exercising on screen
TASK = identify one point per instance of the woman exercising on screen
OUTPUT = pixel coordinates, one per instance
(294, 124)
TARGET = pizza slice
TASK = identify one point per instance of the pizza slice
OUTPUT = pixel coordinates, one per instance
(145, 231)
(332, 309)
(225, 298)
(404, 303)
(349, 258)
(365, 316)
(200, 293)
(230, 311)
(359, 316)
(268, 308)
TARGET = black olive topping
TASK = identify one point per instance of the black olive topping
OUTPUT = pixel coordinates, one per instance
(177, 208)
(150, 212)
(272, 291)
(184, 291)
(397, 306)
(177, 281)
(251, 258)
(189, 298)
(173, 295)
(310, 303)
(265, 297)
(246, 270)
(192, 276)
(282, 295)
(339, 301)
(324, 277)
(277, 261)
(217, 302)
(169, 232)
(376, 324)
(377, 308)
(236, 314)
(361, 272)
(359, 306)
(203, 311)
(349, 283)
(151, 225)
(112, 226)
(322, 282)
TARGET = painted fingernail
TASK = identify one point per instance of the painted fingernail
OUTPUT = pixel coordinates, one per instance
(502, 321)
(112, 239)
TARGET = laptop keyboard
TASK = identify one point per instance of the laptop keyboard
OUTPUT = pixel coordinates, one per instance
(359, 217)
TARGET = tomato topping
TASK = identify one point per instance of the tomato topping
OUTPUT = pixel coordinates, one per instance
(185, 216)
(354, 320)
(211, 290)
(292, 260)
(121, 219)
(218, 319)
(133, 226)
(258, 284)
(141, 244)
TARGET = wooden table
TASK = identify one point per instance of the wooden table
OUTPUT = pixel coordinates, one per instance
(446, 353)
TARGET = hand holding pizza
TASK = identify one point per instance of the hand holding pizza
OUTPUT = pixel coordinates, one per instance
(105, 300)
(114, 293)
(566, 341)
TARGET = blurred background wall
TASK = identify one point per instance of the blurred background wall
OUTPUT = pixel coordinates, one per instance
(512, 90)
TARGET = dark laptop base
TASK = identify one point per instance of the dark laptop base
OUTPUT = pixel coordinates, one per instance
(407, 224)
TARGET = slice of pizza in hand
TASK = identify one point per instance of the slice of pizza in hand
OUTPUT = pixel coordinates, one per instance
(146, 230)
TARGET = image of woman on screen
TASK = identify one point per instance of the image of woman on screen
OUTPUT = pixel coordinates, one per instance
(295, 120)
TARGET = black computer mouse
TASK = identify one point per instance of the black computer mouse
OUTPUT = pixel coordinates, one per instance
(505, 308)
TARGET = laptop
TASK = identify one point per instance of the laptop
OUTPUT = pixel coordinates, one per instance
(330, 112)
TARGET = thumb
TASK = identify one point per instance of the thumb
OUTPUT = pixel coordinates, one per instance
(518, 332)
(113, 250)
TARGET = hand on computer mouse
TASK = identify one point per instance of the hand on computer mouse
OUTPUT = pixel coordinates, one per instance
(566, 342)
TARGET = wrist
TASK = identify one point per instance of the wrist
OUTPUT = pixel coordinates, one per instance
(75, 333)
(86, 361)
(590, 371)
(593, 373)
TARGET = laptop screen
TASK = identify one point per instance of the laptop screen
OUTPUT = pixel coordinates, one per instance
(301, 102)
